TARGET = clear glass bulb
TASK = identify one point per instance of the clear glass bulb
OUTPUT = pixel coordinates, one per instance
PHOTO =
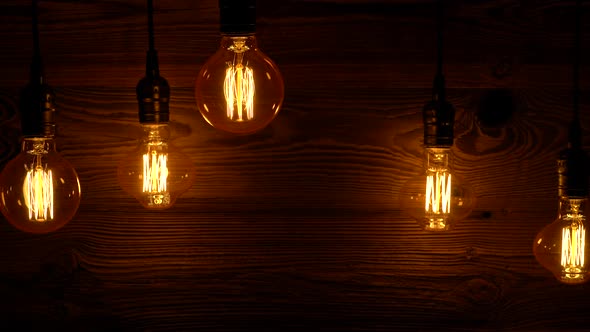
(239, 89)
(437, 199)
(39, 189)
(156, 173)
(561, 246)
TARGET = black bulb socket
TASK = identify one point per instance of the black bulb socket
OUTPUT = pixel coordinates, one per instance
(439, 118)
(572, 167)
(37, 110)
(153, 94)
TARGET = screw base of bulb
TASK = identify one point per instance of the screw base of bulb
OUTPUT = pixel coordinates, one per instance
(436, 225)
(573, 277)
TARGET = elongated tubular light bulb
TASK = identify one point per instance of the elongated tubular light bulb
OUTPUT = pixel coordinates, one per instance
(562, 246)
(437, 198)
(39, 189)
(156, 173)
(239, 89)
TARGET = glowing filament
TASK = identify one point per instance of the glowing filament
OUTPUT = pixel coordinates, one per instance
(438, 193)
(238, 88)
(155, 172)
(38, 193)
(573, 241)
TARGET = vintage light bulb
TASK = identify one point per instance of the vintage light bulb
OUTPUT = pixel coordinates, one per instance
(562, 246)
(239, 89)
(437, 198)
(156, 173)
(39, 189)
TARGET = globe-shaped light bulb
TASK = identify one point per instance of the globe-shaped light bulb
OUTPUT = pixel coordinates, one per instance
(562, 246)
(239, 89)
(437, 199)
(39, 189)
(156, 173)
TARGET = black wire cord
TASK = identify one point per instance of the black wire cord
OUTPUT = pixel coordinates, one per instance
(36, 74)
(577, 51)
(439, 79)
(152, 67)
(150, 6)
(575, 127)
(439, 37)
(35, 27)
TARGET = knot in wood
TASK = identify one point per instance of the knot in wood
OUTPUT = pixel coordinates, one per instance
(470, 253)
(481, 291)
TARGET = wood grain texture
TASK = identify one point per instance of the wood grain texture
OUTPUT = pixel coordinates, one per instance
(298, 227)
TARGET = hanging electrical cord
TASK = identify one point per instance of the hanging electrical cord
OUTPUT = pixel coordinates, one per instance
(573, 161)
(439, 39)
(36, 65)
(152, 65)
(439, 115)
(150, 9)
(575, 128)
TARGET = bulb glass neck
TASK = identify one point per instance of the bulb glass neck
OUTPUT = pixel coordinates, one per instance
(573, 206)
(155, 132)
(239, 44)
(438, 159)
(38, 145)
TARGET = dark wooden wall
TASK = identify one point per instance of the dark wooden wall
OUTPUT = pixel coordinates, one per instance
(298, 227)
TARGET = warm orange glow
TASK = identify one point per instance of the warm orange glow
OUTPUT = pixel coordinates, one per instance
(238, 88)
(38, 193)
(437, 203)
(155, 175)
(438, 193)
(573, 242)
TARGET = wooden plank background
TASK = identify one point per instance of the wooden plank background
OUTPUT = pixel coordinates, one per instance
(298, 227)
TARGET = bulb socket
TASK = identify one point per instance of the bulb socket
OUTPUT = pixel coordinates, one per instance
(572, 173)
(237, 17)
(37, 110)
(438, 117)
(439, 120)
(562, 175)
(153, 97)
